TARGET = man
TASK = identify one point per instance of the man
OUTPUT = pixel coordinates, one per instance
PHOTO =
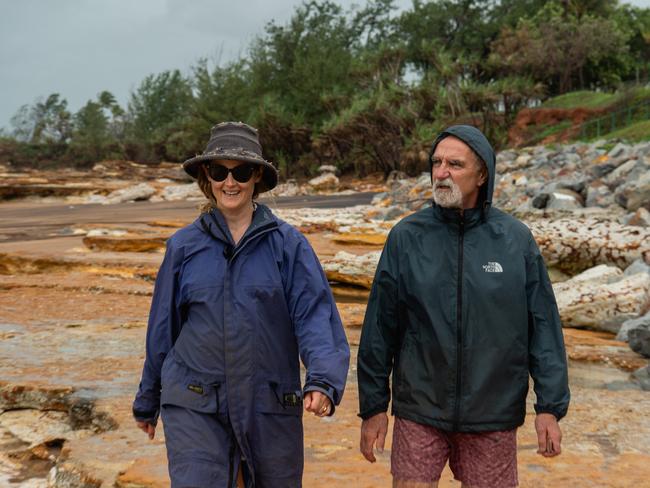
(461, 310)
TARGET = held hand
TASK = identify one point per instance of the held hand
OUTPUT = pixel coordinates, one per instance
(147, 428)
(549, 435)
(318, 403)
(373, 433)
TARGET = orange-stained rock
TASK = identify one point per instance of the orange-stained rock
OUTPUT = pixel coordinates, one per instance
(352, 314)
(73, 321)
(125, 243)
(601, 347)
(373, 240)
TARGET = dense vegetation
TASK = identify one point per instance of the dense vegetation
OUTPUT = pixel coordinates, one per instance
(365, 89)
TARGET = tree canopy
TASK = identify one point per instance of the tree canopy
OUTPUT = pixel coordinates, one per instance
(364, 88)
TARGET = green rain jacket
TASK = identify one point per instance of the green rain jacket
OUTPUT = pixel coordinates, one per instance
(462, 311)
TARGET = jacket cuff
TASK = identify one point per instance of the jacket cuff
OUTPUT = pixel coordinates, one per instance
(365, 415)
(556, 413)
(150, 417)
(323, 388)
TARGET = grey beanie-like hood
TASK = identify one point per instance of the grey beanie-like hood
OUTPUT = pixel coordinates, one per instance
(477, 141)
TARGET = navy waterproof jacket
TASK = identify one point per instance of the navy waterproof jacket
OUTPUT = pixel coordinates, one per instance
(461, 312)
(228, 323)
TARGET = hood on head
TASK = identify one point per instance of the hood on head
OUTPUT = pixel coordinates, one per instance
(475, 139)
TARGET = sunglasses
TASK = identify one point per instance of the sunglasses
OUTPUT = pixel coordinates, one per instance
(241, 173)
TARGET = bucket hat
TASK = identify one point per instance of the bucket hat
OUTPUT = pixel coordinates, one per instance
(239, 142)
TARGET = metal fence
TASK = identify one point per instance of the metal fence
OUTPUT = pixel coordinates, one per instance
(594, 128)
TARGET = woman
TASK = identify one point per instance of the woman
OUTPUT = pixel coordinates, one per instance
(239, 297)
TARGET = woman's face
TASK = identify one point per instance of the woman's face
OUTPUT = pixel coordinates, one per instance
(233, 195)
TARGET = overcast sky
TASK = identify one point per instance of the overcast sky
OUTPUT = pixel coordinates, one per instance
(80, 47)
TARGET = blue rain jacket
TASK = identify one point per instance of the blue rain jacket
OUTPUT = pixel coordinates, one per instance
(227, 326)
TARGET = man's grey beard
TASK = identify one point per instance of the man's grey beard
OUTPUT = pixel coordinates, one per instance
(451, 198)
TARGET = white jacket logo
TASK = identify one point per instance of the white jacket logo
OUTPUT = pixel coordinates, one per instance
(492, 267)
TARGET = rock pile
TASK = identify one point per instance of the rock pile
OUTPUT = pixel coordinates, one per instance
(588, 206)
(556, 179)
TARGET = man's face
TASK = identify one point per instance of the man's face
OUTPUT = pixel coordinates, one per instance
(456, 174)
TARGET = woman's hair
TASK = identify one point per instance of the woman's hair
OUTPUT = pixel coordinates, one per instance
(204, 184)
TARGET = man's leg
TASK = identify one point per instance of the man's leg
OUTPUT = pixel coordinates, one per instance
(485, 460)
(418, 454)
(413, 484)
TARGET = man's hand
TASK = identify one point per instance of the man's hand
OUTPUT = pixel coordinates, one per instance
(373, 433)
(549, 435)
(318, 403)
(147, 428)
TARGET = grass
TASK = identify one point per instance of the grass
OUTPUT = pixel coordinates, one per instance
(549, 130)
(639, 131)
(594, 100)
(582, 99)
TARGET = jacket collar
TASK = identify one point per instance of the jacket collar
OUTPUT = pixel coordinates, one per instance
(453, 216)
(214, 224)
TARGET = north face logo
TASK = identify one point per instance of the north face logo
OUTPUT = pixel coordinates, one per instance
(492, 267)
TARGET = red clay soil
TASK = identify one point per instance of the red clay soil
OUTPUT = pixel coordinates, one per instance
(529, 119)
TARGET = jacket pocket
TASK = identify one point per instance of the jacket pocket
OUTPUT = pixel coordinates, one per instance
(279, 398)
(181, 388)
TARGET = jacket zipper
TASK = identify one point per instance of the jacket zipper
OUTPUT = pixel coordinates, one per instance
(237, 249)
(251, 237)
(459, 323)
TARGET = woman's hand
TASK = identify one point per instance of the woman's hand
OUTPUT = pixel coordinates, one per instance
(147, 428)
(318, 403)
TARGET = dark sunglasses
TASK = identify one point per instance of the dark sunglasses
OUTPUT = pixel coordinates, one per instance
(241, 173)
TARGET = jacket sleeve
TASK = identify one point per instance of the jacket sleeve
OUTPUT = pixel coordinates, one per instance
(546, 352)
(162, 331)
(319, 332)
(380, 335)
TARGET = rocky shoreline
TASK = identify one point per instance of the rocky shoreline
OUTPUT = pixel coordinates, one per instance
(74, 301)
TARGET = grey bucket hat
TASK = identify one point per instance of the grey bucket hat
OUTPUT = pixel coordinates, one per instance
(237, 141)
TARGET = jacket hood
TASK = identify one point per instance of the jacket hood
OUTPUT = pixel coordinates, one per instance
(475, 139)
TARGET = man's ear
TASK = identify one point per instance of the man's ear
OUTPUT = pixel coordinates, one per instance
(483, 176)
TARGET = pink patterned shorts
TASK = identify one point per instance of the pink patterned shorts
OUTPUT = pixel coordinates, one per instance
(486, 459)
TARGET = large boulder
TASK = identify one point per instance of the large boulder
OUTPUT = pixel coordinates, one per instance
(628, 325)
(626, 172)
(352, 269)
(143, 191)
(324, 182)
(619, 150)
(599, 195)
(635, 193)
(289, 188)
(573, 245)
(599, 304)
(174, 193)
(564, 199)
(642, 376)
(640, 218)
(638, 266)
(639, 339)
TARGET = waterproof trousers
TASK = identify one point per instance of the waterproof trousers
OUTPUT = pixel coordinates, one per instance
(203, 452)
